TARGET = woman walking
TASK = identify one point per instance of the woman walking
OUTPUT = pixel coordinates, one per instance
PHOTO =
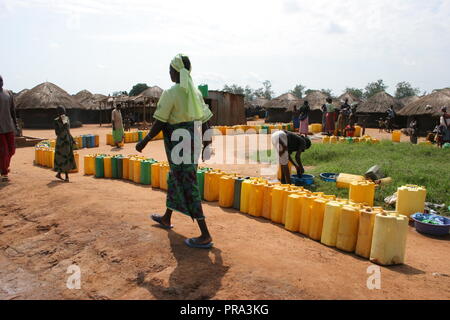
(64, 158)
(182, 112)
(304, 118)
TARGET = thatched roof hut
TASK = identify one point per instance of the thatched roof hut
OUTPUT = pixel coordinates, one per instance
(280, 109)
(255, 103)
(428, 105)
(407, 100)
(18, 94)
(351, 98)
(37, 107)
(316, 99)
(91, 106)
(380, 103)
(427, 109)
(286, 101)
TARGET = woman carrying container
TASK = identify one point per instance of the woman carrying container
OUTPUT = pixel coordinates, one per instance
(287, 143)
(182, 112)
(304, 118)
(64, 158)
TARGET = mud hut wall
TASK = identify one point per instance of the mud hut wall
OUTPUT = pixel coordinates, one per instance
(43, 118)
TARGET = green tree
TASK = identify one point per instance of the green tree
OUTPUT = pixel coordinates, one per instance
(234, 88)
(358, 93)
(328, 92)
(138, 89)
(267, 89)
(374, 87)
(298, 91)
(309, 91)
(405, 89)
(249, 94)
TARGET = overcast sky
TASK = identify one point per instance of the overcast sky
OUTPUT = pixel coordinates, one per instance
(109, 45)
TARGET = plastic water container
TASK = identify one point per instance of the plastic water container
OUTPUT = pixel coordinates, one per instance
(396, 135)
(245, 195)
(410, 200)
(365, 232)
(316, 219)
(155, 167)
(126, 168)
(97, 140)
(344, 180)
(267, 202)
(277, 204)
(107, 167)
(331, 219)
(89, 165)
(256, 199)
(137, 171)
(362, 192)
(146, 171)
(289, 191)
(99, 167)
(325, 139)
(389, 239)
(226, 191)
(163, 176)
(348, 229)
(358, 131)
(237, 193)
(293, 211)
(305, 217)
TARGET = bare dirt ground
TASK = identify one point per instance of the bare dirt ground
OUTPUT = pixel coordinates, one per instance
(103, 226)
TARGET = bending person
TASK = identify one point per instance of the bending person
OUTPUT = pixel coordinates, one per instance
(181, 109)
(288, 144)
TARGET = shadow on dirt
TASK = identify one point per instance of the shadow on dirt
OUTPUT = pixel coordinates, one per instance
(197, 276)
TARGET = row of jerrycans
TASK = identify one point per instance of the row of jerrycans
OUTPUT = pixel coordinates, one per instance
(346, 225)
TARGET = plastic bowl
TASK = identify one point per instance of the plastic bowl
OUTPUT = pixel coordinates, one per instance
(306, 179)
(433, 229)
(328, 177)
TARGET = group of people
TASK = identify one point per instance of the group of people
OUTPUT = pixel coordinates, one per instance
(339, 121)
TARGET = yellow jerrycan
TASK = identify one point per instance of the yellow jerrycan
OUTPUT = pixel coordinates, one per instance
(163, 171)
(255, 202)
(137, 171)
(107, 167)
(331, 219)
(305, 217)
(156, 167)
(389, 239)
(410, 200)
(396, 135)
(125, 168)
(226, 191)
(89, 165)
(293, 211)
(358, 131)
(326, 139)
(277, 204)
(208, 196)
(316, 219)
(267, 201)
(245, 195)
(365, 232)
(348, 229)
(362, 192)
(344, 180)
(289, 191)
(131, 169)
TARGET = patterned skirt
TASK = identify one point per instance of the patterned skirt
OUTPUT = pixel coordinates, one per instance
(183, 193)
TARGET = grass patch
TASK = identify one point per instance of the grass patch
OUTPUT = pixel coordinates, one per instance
(406, 163)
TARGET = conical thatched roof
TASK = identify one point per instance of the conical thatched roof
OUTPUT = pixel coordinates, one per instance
(257, 102)
(316, 99)
(88, 100)
(428, 105)
(380, 103)
(47, 96)
(152, 92)
(18, 94)
(351, 98)
(408, 100)
(285, 101)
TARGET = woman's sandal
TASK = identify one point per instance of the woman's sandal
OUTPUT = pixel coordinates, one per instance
(191, 243)
(158, 218)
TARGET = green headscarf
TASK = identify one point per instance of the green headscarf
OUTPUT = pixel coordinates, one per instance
(195, 105)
